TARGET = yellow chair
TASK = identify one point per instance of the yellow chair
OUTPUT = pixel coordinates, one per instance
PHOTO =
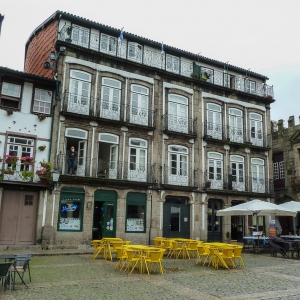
(228, 255)
(203, 254)
(132, 259)
(193, 248)
(115, 245)
(237, 254)
(176, 249)
(216, 258)
(121, 255)
(154, 260)
(168, 247)
(98, 247)
(158, 241)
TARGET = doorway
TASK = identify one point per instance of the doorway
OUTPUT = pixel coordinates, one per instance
(214, 222)
(176, 215)
(104, 217)
(18, 217)
(237, 224)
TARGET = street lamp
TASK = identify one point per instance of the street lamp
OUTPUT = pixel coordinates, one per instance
(55, 179)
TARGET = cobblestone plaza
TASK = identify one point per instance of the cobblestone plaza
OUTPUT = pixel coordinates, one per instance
(80, 277)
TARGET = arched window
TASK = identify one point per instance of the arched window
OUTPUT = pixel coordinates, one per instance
(139, 105)
(258, 175)
(178, 113)
(215, 169)
(256, 129)
(137, 167)
(236, 125)
(79, 92)
(236, 180)
(110, 99)
(214, 121)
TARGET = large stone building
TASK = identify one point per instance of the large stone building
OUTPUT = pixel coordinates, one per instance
(286, 166)
(164, 138)
(25, 141)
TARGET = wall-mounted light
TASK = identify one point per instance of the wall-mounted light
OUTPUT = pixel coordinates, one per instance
(55, 179)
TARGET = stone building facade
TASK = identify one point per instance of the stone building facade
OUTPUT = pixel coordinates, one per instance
(286, 166)
(164, 138)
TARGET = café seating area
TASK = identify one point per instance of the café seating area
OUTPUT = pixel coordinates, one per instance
(149, 259)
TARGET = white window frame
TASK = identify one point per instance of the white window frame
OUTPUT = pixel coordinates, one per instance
(256, 129)
(214, 120)
(40, 103)
(134, 52)
(110, 108)
(258, 182)
(16, 93)
(172, 64)
(215, 177)
(179, 173)
(275, 171)
(110, 42)
(80, 36)
(239, 182)
(236, 125)
(178, 112)
(137, 171)
(139, 104)
(281, 170)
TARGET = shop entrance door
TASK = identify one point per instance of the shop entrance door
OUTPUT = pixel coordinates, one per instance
(214, 223)
(104, 221)
(176, 222)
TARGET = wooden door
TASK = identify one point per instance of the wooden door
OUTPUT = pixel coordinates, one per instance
(18, 218)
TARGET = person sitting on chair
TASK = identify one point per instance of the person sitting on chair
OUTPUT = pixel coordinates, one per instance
(72, 154)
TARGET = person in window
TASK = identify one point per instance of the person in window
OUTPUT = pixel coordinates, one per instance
(72, 154)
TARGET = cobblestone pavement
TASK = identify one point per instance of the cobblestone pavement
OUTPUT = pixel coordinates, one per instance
(79, 277)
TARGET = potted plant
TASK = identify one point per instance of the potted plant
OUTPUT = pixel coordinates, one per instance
(41, 117)
(27, 175)
(195, 75)
(42, 147)
(69, 34)
(9, 112)
(204, 76)
(1, 159)
(11, 159)
(8, 171)
(45, 173)
(27, 160)
(45, 164)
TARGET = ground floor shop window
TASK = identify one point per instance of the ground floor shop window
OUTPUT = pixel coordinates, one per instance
(136, 212)
(70, 215)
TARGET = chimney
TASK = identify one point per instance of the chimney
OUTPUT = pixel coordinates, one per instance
(1, 20)
(291, 121)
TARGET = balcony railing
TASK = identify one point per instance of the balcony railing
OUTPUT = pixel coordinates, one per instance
(110, 170)
(229, 182)
(236, 135)
(21, 172)
(179, 176)
(179, 124)
(177, 65)
(82, 105)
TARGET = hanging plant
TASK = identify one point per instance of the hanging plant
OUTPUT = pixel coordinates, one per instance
(42, 148)
(41, 117)
(9, 112)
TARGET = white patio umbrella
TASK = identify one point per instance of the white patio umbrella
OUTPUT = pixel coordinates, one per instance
(257, 208)
(294, 206)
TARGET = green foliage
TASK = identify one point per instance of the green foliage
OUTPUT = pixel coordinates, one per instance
(27, 175)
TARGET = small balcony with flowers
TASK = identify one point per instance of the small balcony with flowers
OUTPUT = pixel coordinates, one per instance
(14, 169)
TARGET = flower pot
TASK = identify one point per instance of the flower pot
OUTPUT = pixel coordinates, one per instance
(8, 172)
(43, 178)
(42, 148)
(28, 163)
(44, 165)
(1, 160)
(10, 162)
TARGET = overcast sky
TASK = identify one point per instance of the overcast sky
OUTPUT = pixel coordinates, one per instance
(262, 35)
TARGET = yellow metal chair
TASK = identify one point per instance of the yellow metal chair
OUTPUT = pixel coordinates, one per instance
(98, 247)
(158, 241)
(176, 249)
(228, 256)
(168, 247)
(121, 255)
(237, 254)
(203, 254)
(132, 260)
(154, 260)
(193, 248)
(115, 245)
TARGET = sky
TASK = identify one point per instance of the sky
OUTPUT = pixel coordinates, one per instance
(260, 35)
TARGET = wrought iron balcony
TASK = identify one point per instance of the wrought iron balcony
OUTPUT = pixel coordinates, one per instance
(179, 176)
(23, 172)
(153, 58)
(236, 135)
(109, 110)
(179, 124)
(241, 183)
(109, 170)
